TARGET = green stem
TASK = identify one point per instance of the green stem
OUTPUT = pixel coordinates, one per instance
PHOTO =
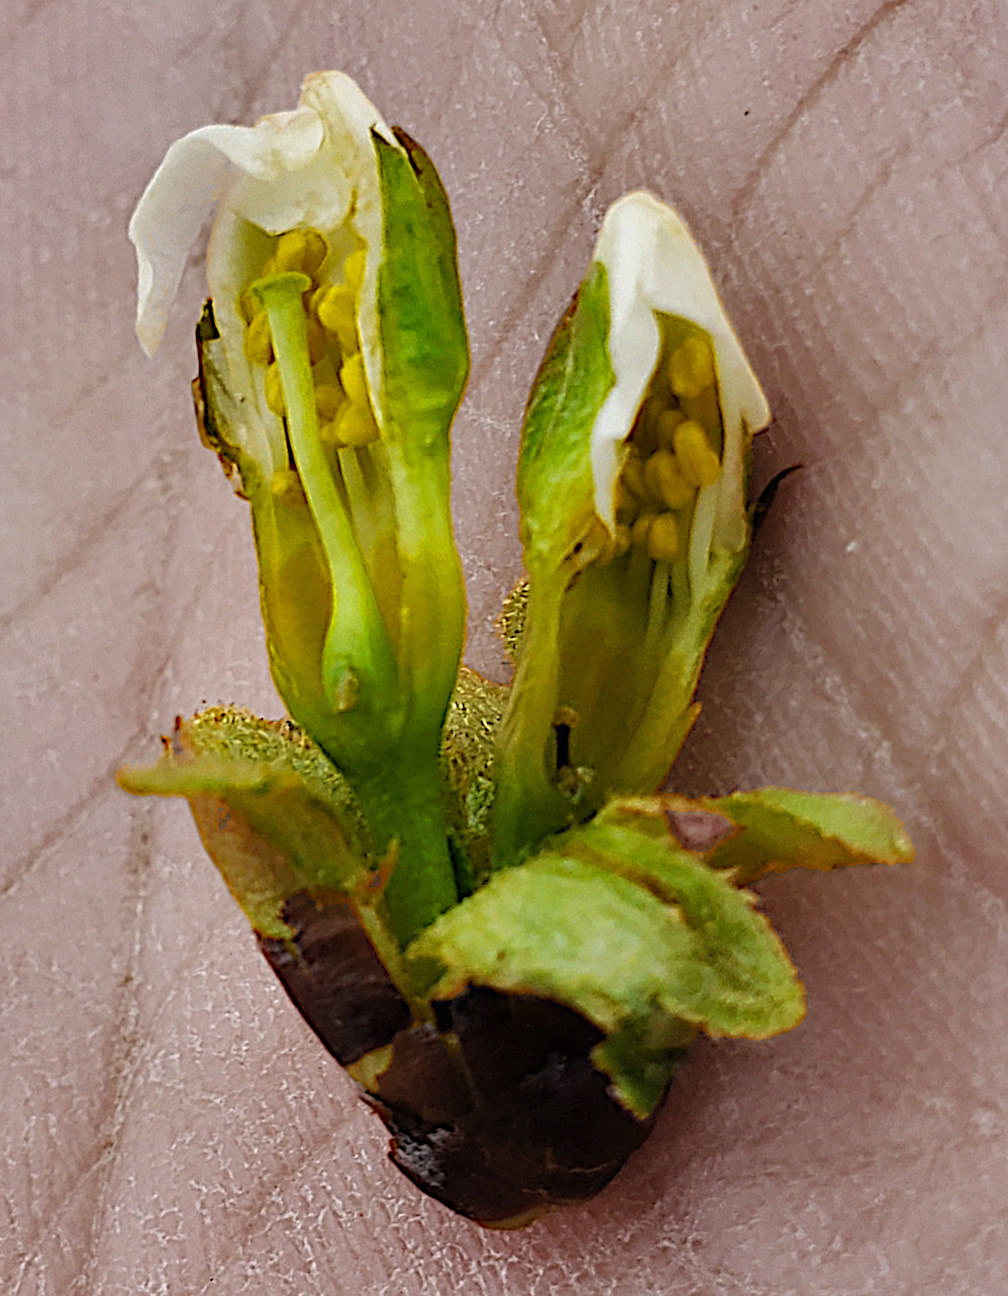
(404, 806)
(527, 805)
(433, 591)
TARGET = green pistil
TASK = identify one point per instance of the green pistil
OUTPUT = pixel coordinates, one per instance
(358, 667)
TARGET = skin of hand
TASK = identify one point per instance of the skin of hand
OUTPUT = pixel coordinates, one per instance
(168, 1123)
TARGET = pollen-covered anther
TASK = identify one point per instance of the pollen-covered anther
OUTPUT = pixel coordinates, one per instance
(355, 426)
(691, 368)
(640, 529)
(328, 401)
(335, 308)
(353, 270)
(274, 391)
(665, 425)
(698, 463)
(258, 340)
(352, 380)
(301, 249)
(665, 482)
(663, 538)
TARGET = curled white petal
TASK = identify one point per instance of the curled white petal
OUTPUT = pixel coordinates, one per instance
(310, 167)
(196, 175)
(654, 265)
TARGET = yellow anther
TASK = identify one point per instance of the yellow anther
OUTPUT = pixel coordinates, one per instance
(639, 530)
(328, 402)
(691, 367)
(697, 461)
(632, 478)
(247, 305)
(353, 381)
(353, 269)
(663, 538)
(665, 482)
(335, 308)
(649, 415)
(286, 486)
(258, 341)
(316, 251)
(316, 340)
(290, 250)
(355, 426)
(274, 391)
(328, 435)
(665, 424)
(300, 249)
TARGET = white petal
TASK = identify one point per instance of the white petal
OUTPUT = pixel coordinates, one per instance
(653, 264)
(197, 173)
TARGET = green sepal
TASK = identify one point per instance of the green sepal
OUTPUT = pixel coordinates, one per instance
(274, 814)
(642, 938)
(554, 483)
(777, 828)
(425, 365)
(420, 315)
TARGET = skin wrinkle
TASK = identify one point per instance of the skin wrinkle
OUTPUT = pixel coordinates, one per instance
(122, 1070)
(85, 542)
(888, 168)
(130, 1044)
(847, 53)
(46, 1214)
(958, 691)
(137, 742)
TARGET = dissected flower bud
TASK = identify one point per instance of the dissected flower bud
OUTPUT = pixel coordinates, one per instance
(640, 421)
(459, 884)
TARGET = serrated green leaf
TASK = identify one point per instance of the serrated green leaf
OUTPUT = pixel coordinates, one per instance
(780, 829)
(640, 937)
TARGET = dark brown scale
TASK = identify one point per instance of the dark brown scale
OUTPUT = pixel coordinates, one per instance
(336, 980)
(497, 1111)
(513, 1120)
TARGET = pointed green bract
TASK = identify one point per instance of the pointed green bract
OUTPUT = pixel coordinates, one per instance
(779, 829)
(560, 537)
(274, 814)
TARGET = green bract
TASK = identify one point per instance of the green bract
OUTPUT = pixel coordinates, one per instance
(500, 848)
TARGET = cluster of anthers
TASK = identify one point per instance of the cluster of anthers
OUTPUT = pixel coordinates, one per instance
(674, 449)
(342, 404)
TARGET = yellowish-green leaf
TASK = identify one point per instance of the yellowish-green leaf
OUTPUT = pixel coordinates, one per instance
(779, 829)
